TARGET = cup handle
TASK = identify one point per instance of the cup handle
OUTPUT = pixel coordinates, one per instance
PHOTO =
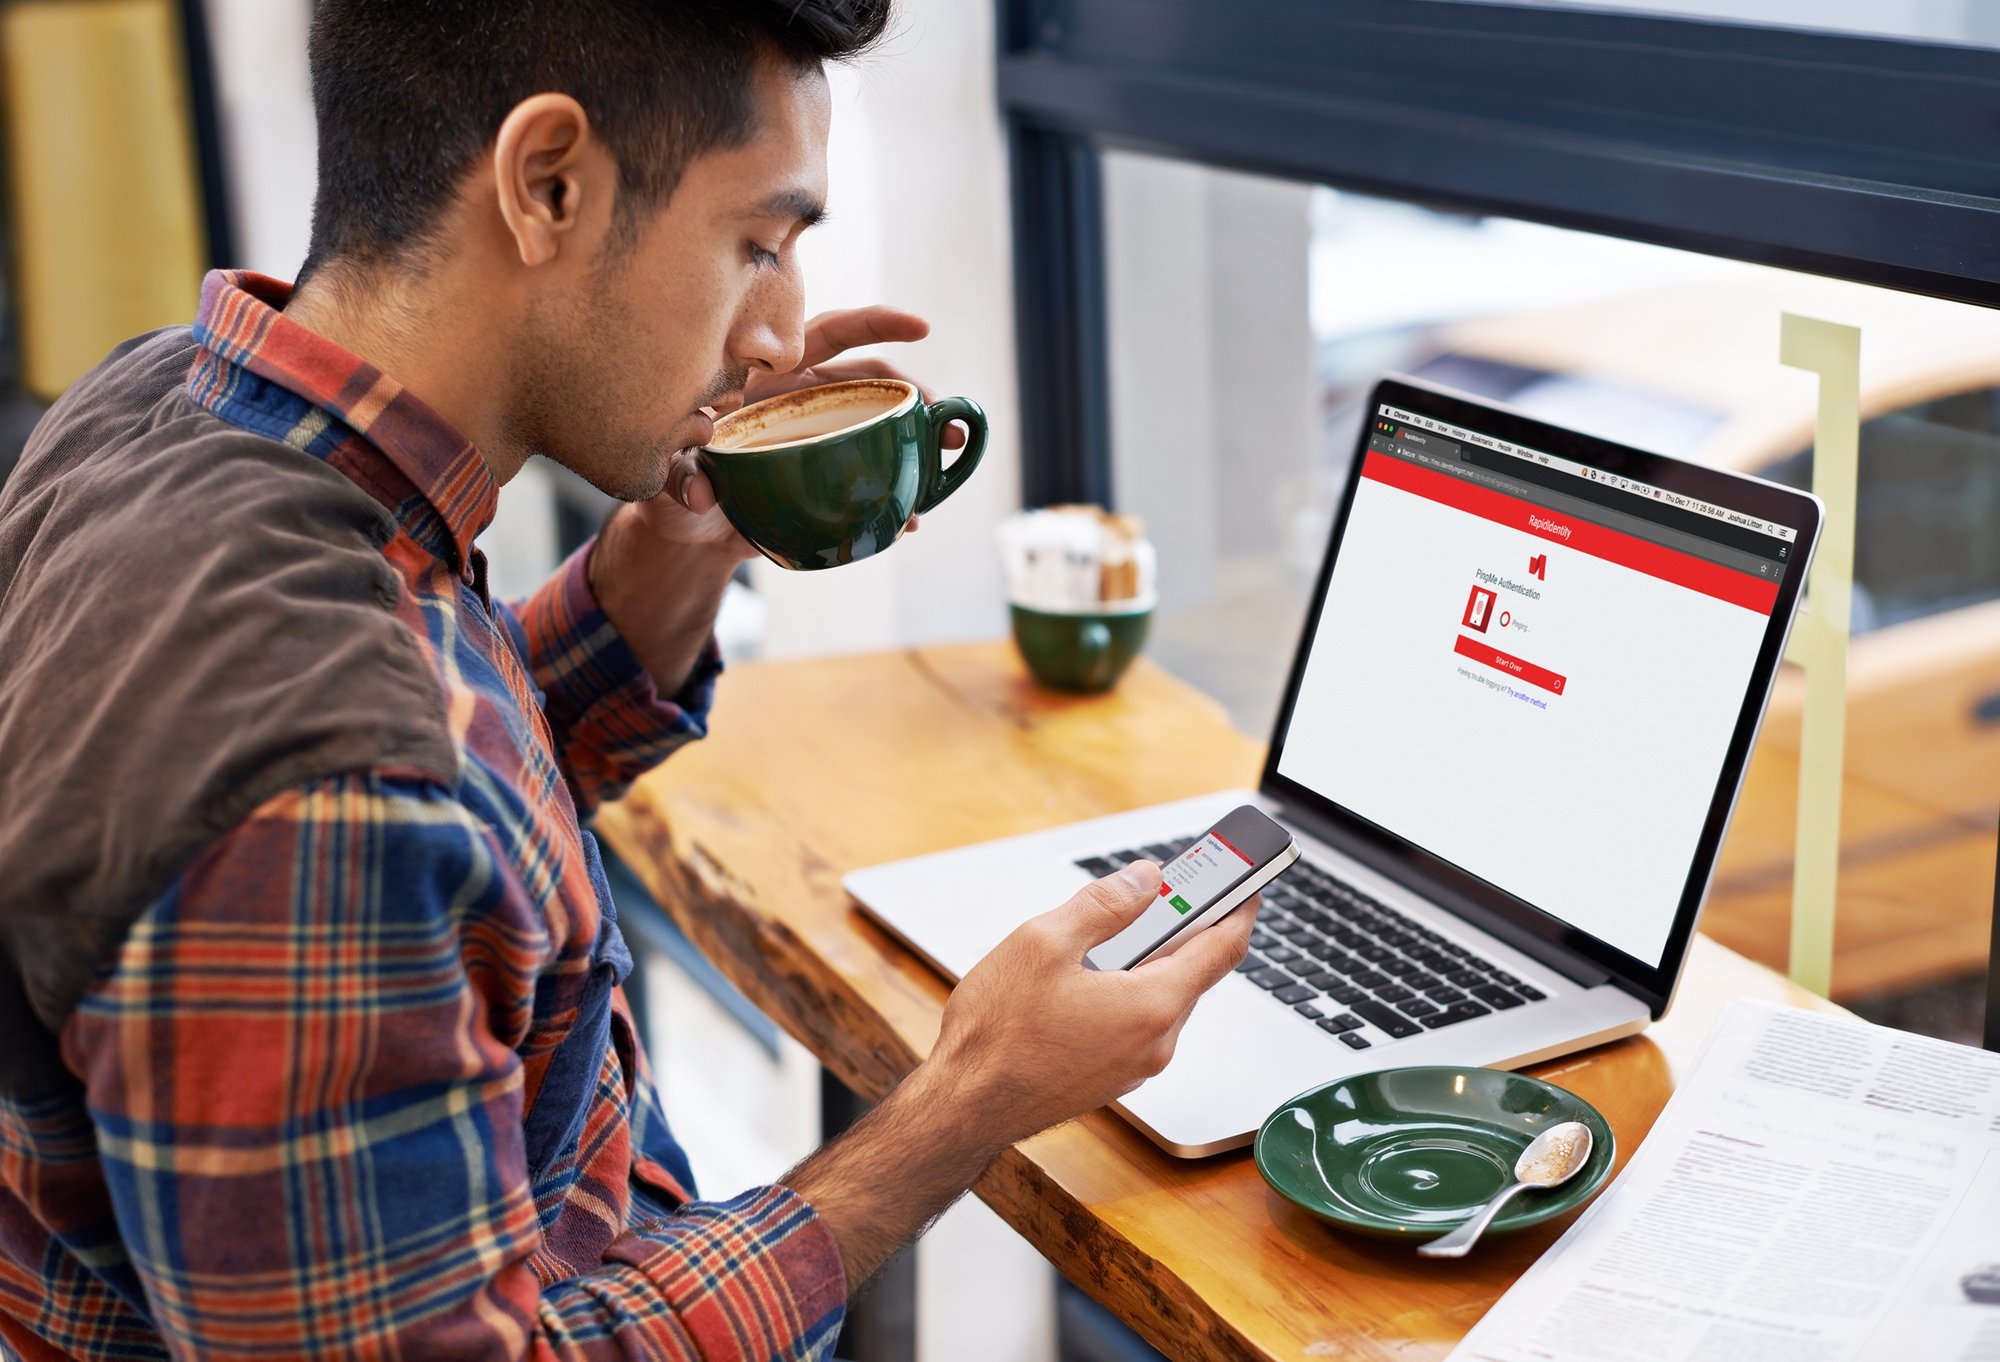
(948, 480)
(1096, 649)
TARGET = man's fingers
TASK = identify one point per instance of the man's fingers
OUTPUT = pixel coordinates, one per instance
(832, 332)
(1198, 966)
(840, 371)
(1205, 960)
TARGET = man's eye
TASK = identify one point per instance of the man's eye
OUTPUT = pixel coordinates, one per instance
(760, 257)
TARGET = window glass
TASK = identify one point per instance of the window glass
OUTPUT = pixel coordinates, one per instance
(1925, 538)
(1249, 318)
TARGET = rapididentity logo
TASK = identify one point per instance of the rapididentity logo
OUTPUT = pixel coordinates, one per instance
(1538, 567)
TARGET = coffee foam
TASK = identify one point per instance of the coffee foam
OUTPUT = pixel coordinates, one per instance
(810, 414)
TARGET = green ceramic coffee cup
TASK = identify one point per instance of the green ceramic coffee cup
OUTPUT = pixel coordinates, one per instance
(830, 475)
(1081, 651)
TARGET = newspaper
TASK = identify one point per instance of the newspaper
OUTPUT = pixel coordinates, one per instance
(1819, 1189)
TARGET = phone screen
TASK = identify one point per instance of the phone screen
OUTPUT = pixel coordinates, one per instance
(1202, 874)
(1218, 862)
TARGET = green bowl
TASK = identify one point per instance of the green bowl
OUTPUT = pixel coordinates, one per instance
(1414, 1152)
(1082, 651)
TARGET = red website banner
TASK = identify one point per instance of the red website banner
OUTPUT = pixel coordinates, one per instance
(1641, 555)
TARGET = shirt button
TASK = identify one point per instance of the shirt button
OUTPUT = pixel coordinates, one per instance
(385, 595)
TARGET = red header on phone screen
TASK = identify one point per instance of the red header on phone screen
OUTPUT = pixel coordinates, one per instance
(1232, 846)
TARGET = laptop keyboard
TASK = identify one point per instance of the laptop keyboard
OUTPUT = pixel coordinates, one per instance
(1356, 968)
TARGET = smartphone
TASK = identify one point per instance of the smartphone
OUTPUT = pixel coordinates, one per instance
(1241, 854)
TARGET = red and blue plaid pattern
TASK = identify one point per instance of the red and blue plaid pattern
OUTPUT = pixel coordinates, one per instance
(361, 1083)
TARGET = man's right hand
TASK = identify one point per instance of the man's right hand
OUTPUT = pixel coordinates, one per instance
(1033, 1036)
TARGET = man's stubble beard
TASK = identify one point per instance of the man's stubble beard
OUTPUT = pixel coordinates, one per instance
(562, 413)
(563, 408)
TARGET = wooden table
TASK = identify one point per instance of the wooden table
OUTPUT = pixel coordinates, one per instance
(815, 768)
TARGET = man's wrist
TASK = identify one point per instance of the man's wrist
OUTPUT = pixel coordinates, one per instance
(902, 1164)
(962, 1107)
(626, 550)
(661, 595)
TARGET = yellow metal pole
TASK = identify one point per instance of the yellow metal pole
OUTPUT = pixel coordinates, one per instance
(1819, 638)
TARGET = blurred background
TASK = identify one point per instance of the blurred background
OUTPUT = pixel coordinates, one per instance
(1244, 317)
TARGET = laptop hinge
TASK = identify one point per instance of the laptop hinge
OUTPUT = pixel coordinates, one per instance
(1573, 967)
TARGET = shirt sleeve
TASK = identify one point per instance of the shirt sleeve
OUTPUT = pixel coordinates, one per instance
(610, 723)
(308, 1105)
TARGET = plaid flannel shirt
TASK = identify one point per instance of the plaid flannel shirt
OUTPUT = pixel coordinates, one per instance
(360, 1083)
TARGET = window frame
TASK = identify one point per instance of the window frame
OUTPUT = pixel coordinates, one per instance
(1858, 157)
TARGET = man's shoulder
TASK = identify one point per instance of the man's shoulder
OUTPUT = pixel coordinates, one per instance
(193, 618)
(117, 419)
(198, 570)
(128, 389)
(132, 502)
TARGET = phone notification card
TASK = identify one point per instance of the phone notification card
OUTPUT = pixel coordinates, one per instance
(1196, 877)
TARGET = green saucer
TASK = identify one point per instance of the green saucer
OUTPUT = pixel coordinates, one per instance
(1416, 1151)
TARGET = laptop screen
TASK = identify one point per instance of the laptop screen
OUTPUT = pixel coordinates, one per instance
(1533, 668)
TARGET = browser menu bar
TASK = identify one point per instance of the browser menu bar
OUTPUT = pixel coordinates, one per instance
(1662, 495)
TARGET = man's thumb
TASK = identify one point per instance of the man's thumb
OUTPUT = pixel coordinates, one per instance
(688, 485)
(1110, 905)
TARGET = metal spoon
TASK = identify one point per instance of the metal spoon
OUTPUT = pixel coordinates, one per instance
(1552, 1159)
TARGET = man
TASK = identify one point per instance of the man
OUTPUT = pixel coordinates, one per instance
(308, 971)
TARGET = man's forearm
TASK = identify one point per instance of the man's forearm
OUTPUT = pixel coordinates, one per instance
(662, 596)
(902, 1165)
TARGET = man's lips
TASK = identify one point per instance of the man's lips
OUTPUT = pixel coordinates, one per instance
(701, 429)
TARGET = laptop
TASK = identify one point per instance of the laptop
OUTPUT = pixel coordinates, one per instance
(1513, 732)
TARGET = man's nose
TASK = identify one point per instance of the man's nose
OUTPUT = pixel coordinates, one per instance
(772, 332)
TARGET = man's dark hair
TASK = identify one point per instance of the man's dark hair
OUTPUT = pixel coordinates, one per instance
(408, 93)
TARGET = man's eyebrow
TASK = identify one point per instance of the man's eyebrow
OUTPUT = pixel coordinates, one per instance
(799, 205)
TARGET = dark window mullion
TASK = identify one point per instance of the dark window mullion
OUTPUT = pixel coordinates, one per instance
(1059, 317)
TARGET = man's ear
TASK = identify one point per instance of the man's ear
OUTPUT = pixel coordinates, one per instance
(548, 171)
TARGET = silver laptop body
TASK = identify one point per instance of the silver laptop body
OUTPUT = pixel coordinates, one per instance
(1514, 730)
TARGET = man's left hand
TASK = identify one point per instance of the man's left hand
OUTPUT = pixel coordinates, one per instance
(686, 512)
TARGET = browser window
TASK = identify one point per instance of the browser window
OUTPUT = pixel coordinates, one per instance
(1532, 669)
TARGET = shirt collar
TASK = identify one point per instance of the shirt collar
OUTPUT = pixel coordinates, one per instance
(241, 326)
